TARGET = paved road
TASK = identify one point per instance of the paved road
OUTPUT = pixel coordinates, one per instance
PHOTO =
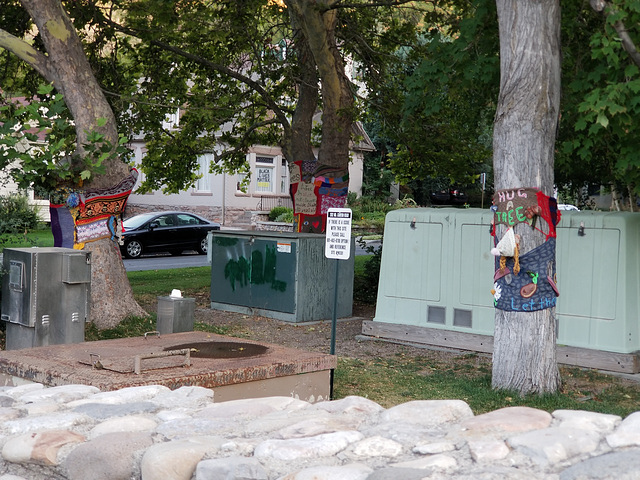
(164, 262)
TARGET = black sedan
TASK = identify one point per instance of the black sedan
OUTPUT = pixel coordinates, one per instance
(172, 232)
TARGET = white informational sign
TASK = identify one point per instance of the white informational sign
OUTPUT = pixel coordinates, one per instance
(284, 247)
(338, 240)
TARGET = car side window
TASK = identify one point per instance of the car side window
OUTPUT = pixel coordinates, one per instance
(186, 220)
(165, 221)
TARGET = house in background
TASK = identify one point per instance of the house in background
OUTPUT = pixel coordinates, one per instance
(219, 197)
(8, 187)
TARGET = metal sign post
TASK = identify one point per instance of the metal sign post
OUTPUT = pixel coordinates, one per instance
(337, 246)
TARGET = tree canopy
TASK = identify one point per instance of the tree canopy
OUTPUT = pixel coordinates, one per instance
(437, 101)
(436, 108)
(598, 143)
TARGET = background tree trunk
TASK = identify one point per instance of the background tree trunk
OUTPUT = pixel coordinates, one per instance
(524, 357)
(317, 23)
(296, 146)
(69, 71)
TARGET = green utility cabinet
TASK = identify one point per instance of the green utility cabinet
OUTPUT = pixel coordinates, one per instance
(437, 272)
(278, 275)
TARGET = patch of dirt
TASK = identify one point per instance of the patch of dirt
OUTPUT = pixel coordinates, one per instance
(313, 336)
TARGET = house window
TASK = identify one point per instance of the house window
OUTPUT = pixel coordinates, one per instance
(284, 177)
(264, 174)
(138, 155)
(203, 184)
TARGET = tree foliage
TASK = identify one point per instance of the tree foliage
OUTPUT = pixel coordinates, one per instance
(241, 73)
(437, 100)
(220, 63)
(598, 142)
(46, 41)
(436, 107)
(38, 142)
(17, 215)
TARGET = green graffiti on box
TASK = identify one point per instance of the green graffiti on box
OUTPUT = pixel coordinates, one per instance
(260, 271)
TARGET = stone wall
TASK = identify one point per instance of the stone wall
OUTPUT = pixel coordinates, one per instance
(274, 226)
(77, 432)
(213, 213)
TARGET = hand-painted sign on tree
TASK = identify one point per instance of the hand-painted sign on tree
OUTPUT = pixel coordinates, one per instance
(316, 190)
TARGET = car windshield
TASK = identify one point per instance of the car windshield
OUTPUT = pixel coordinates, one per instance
(135, 222)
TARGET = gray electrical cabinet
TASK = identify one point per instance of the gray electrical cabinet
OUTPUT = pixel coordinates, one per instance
(278, 275)
(45, 296)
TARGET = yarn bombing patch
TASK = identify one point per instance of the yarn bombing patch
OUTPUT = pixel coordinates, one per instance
(62, 225)
(295, 176)
(312, 223)
(89, 232)
(104, 203)
(80, 216)
(328, 201)
(305, 199)
(314, 189)
(531, 289)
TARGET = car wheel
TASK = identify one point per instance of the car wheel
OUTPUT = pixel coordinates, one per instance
(133, 249)
(204, 245)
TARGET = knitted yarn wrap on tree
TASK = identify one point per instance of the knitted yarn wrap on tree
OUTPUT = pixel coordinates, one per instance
(80, 216)
(524, 282)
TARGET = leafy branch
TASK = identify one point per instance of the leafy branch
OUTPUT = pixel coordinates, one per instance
(38, 143)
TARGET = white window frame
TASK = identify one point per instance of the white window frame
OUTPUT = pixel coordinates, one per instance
(239, 179)
(203, 184)
(171, 120)
(265, 164)
(284, 176)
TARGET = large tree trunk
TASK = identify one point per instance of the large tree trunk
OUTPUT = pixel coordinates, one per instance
(524, 357)
(67, 68)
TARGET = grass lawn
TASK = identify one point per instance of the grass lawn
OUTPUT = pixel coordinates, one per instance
(37, 238)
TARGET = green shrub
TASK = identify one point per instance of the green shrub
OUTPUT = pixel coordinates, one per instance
(17, 215)
(277, 211)
(365, 283)
(352, 197)
(286, 217)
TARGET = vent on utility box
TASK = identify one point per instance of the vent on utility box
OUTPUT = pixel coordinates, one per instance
(462, 318)
(436, 315)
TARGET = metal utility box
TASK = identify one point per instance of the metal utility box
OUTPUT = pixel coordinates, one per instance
(437, 272)
(278, 275)
(175, 314)
(45, 296)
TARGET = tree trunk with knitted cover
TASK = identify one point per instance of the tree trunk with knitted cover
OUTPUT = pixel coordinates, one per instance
(66, 67)
(524, 357)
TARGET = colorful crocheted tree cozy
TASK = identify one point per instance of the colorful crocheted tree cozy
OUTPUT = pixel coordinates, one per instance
(84, 216)
(524, 282)
(315, 189)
